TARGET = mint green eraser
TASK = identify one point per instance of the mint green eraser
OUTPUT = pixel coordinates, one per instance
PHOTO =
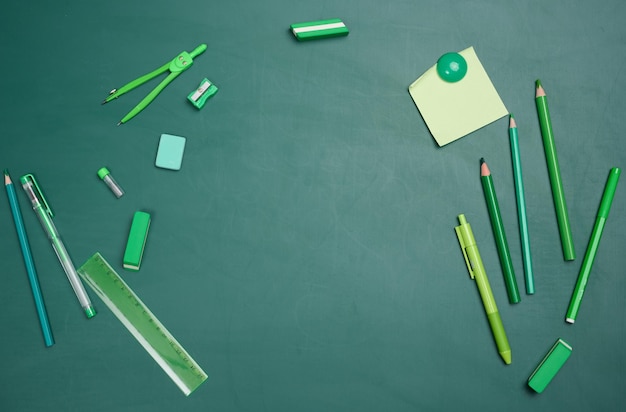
(204, 92)
(319, 29)
(549, 366)
(170, 152)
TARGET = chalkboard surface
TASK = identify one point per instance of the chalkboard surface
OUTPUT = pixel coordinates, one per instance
(304, 254)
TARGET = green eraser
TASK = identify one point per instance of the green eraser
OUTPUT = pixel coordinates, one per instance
(204, 92)
(319, 29)
(549, 366)
(170, 152)
(136, 240)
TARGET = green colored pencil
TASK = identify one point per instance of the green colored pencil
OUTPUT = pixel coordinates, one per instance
(567, 241)
(498, 232)
(521, 207)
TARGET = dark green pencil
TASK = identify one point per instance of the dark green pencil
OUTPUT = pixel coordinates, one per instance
(498, 232)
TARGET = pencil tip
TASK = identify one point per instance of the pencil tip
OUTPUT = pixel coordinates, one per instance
(512, 123)
(119, 123)
(7, 178)
(6, 172)
(538, 83)
(484, 169)
(482, 160)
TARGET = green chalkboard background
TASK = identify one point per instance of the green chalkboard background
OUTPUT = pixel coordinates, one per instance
(305, 255)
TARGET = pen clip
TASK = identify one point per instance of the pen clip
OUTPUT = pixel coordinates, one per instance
(38, 193)
(461, 238)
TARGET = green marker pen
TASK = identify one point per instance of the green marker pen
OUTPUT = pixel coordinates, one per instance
(477, 271)
(594, 242)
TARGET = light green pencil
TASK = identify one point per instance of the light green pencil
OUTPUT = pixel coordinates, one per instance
(521, 207)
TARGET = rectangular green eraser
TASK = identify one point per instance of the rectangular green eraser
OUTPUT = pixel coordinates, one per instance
(204, 92)
(170, 152)
(136, 240)
(319, 29)
(549, 366)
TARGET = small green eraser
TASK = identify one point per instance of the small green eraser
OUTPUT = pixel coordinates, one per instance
(170, 152)
(319, 29)
(204, 92)
(549, 366)
(136, 241)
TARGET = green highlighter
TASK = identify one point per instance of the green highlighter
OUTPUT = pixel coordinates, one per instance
(550, 366)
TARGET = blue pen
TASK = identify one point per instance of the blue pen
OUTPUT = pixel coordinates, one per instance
(28, 261)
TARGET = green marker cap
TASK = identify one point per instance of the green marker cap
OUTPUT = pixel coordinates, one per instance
(103, 172)
(451, 67)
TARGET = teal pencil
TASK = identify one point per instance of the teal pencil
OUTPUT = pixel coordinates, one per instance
(521, 207)
(44, 322)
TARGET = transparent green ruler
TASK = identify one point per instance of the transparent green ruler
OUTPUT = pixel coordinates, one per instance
(144, 326)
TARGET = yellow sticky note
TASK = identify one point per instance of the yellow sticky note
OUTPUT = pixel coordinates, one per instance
(454, 110)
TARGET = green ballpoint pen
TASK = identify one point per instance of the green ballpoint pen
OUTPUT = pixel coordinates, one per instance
(44, 213)
(179, 64)
(594, 242)
(477, 271)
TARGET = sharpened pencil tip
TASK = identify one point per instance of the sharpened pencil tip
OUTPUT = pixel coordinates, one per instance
(6, 172)
(484, 169)
(119, 123)
(537, 83)
(512, 123)
(104, 101)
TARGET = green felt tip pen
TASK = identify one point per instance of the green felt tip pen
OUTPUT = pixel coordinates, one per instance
(594, 242)
(477, 271)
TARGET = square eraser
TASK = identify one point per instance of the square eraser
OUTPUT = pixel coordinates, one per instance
(170, 152)
(549, 366)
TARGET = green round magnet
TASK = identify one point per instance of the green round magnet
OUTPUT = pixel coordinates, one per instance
(451, 67)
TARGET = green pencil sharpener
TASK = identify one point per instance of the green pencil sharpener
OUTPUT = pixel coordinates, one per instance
(204, 92)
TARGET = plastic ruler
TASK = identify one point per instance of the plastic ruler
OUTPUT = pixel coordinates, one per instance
(143, 325)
